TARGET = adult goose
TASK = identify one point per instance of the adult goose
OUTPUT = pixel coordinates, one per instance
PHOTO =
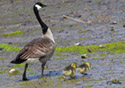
(38, 50)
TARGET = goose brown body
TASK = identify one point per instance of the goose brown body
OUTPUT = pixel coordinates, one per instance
(40, 48)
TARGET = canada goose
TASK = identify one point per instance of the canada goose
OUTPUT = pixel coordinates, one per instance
(70, 70)
(83, 68)
(40, 49)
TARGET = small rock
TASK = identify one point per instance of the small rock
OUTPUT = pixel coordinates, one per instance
(86, 9)
(112, 28)
(78, 44)
(60, 31)
(89, 22)
(89, 50)
(101, 46)
(1, 48)
(84, 56)
(124, 25)
(114, 22)
(13, 71)
(10, 43)
(76, 15)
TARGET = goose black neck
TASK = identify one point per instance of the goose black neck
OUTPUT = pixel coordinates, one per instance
(43, 25)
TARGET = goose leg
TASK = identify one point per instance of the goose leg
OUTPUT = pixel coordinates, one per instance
(24, 73)
(42, 66)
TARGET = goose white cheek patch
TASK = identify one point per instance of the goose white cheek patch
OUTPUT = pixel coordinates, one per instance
(38, 7)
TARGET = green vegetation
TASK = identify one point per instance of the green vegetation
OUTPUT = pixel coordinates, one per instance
(84, 31)
(3, 70)
(49, 82)
(88, 86)
(116, 47)
(114, 31)
(115, 80)
(26, 83)
(60, 58)
(13, 33)
(60, 77)
(103, 54)
(2, 58)
(7, 47)
(18, 65)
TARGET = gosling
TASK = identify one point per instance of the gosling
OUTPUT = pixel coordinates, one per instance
(83, 68)
(70, 70)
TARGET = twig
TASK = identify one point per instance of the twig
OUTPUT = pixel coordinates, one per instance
(74, 19)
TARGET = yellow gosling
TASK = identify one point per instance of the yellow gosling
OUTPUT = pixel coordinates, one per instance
(70, 70)
(83, 68)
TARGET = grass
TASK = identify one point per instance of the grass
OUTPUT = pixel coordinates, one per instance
(26, 83)
(18, 65)
(60, 77)
(116, 47)
(114, 31)
(7, 47)
(103, 54)
(115, 80)
(2, 58)
(17, 32)
(84, 31)
(49, 82)
(88, 86)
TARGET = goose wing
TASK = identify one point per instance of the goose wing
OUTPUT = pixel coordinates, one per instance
(37, 48)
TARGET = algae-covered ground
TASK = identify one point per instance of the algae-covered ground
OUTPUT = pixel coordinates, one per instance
(99, 27)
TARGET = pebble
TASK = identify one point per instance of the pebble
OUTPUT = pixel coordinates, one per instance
(89, 22)
(114, 22)
(12, 71)
(101, 46)
(1, 48)
(89, 50)
(112, 28)
(76, 15)
(124, 25)
(10, 43)
(86, 9)
(78, 44)
(83, 56)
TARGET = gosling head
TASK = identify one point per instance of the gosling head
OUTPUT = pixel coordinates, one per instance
(88, 64)
(74, 65)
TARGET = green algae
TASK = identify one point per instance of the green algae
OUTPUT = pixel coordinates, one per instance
(2, 58)
(48, 82)
(17, 32)
(7, 47)
(84, 31)
(26, 83)
(116, 47)
(18, 65)
(60, 77)
(88, 86)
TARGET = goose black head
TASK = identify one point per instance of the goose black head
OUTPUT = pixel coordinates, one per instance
(39, 5)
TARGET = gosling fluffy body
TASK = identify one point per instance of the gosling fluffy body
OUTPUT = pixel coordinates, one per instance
(70, 70)
(83, 68)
